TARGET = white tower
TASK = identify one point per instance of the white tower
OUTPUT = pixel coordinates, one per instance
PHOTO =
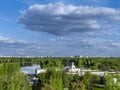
(73, 68)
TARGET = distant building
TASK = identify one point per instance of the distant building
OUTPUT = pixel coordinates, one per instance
(37, 71)
(73, 70)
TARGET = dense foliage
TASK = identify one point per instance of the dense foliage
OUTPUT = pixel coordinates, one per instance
(92, 63)
(12, 79)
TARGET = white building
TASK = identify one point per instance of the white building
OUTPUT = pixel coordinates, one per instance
(37, 71)
(73, 70)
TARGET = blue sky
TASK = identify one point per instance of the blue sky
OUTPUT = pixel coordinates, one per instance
(60, 27)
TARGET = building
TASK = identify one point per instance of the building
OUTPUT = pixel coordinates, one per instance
(73, 70)
(37, 71)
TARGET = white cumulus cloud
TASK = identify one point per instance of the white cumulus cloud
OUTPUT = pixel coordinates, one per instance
(60, 19)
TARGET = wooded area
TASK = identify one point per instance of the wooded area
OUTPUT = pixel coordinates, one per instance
(12, 79)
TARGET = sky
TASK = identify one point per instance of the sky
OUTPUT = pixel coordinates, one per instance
(60, 28)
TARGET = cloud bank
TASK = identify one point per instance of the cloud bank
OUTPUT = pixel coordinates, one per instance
(60, 19)
(59, 46)
(14, 47)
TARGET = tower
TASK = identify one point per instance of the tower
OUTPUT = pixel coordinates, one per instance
(73, 67)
